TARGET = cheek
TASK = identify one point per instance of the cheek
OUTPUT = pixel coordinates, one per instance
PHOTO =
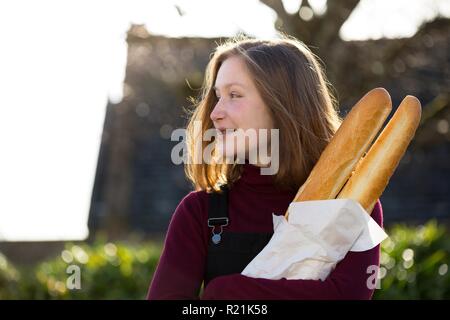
(237, 112)
(249, 113)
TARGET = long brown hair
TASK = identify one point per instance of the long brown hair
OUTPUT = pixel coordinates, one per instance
(292, 83)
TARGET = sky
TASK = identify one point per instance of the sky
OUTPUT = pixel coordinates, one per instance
(60, 62)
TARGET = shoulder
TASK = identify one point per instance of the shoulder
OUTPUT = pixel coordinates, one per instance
(193, 206)
(186, 230)
(194, 199)
(377, 213)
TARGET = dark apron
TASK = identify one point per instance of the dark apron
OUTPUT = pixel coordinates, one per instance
(228, 252)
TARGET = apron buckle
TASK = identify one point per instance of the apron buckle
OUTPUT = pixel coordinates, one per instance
(214, 222)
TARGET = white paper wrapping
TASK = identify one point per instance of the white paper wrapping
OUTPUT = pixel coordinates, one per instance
(317, 236)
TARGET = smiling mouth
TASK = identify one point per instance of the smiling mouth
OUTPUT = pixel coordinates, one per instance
(224, 131)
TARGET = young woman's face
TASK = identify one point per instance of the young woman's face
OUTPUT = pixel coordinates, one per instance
(239, 106)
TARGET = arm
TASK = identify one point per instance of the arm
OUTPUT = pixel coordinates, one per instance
(179, 273)
(347, 281)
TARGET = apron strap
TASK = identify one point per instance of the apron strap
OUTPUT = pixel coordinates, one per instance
(218, 213)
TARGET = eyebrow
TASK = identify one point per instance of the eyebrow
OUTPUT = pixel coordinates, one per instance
(231, 84)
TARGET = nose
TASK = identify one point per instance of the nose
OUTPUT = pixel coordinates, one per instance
(218, 112)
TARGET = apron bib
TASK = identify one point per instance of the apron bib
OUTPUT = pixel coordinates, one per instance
(228, 252)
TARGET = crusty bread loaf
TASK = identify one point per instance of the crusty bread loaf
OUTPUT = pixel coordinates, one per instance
(350, 142)
(373, 172)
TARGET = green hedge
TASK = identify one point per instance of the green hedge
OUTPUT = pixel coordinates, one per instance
(108, 271)
(415, 262)
(414, 265)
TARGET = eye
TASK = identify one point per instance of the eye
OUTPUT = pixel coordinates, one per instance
(234, 95)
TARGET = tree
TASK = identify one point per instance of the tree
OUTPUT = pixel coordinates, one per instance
(320, 31)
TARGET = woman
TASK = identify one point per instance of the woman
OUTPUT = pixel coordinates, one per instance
(219, 228)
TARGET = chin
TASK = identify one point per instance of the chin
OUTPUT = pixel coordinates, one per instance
(230, 151)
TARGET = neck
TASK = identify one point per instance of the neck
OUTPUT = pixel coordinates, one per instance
(252, 179)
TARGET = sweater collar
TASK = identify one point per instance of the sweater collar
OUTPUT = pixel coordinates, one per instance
(252, 179)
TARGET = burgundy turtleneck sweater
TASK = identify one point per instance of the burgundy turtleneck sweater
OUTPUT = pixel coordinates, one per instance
(252, 200)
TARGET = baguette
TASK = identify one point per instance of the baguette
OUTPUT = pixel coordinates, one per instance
(346, 147)
(372, 174)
